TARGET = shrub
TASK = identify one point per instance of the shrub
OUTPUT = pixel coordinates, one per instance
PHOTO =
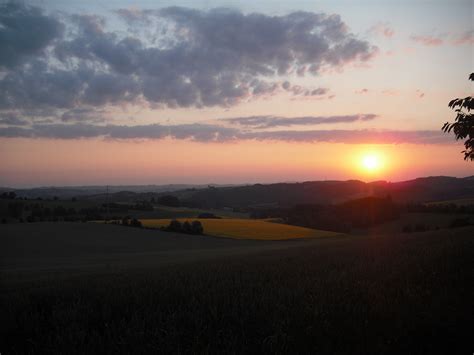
(187, 227)
(175, 226)
(197, 228)
(135, 223)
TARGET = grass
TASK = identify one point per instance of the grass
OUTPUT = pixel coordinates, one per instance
(395, 294)
(247, 229)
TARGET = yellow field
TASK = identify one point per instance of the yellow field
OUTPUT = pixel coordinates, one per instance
(246, 228)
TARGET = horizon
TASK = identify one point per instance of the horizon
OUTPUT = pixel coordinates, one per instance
(223, 184)
(230, 92)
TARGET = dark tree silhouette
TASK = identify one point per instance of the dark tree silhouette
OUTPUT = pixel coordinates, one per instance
(197, 228)
(463, 125)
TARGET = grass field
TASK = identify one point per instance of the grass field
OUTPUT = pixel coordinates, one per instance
(85, 288)
(247, 229)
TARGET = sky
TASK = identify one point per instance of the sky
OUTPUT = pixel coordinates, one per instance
(159, 92)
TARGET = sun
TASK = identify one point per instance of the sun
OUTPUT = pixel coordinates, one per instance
(371, 162)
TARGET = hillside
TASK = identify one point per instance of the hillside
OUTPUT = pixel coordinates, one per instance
(322, 192)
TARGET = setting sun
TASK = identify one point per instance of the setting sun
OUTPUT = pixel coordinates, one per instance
(371, 162)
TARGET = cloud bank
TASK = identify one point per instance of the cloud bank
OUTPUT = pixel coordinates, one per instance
(214, 133)
(170, 57)
(275, 121)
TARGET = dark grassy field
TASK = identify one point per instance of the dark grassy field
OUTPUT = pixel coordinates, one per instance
(80, 288)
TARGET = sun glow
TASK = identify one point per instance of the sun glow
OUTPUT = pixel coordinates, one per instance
(371, 162)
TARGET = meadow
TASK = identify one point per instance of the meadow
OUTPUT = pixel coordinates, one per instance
(95, 288)
(246, 228)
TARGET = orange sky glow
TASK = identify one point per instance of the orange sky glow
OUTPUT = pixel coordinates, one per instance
(96, 161)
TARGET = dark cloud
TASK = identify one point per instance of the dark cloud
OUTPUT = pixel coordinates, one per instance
(82, 114)
(193, 59)
(355, 136)
(24, 31)
(275, 121)
(12, 119)
(214, 133)
(298, 90)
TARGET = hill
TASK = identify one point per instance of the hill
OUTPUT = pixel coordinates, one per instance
(329, 192)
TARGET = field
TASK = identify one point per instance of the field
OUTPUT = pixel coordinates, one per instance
(459, 202)
(247, 229)
(94, 288)
(431, 221)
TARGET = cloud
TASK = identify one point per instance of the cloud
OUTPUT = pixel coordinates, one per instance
(382, 29)
(12, 119)
(362, 91)
(427, 40)
(298, 90)
(24, 32)
(390, 92)
(214, 133)
(464, 38)
(188, 58)
(82, 114)
(275, 121)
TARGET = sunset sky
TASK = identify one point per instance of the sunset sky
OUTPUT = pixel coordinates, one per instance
(164, 92)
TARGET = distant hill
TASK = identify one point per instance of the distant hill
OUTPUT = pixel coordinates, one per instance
(328, 192)
(64, 192)
(426, 189)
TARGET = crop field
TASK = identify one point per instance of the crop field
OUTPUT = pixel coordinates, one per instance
(392, 294)
(247, 229)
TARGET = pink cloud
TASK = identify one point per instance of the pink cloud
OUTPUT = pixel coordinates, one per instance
(465, 38)
(420, 94)
(427, 40)
(382, 29)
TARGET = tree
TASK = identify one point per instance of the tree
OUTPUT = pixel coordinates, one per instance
(169, 200)
(187, 227)
(463, 125)
(197, 228)
(174, 226)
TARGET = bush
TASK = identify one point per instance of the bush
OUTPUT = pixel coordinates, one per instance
(135, 223)
(187, 227)
(197, 228)
(175, 226)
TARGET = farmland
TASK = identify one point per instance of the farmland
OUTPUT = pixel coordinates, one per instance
(247, 229)
(97, 288)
